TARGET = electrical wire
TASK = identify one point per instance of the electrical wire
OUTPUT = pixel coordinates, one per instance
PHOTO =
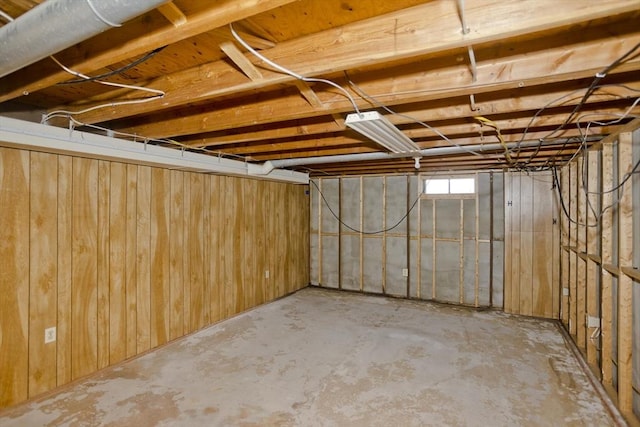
(492, 124)
(590, 90)
(6, 16)
(167, 141)
(290, 72)
(68, 114)
(548, 105)
(598, 77)
(415, 202)
(158, 94)
(116, 72)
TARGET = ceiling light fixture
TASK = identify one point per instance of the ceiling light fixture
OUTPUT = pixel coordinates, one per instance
(377, 128)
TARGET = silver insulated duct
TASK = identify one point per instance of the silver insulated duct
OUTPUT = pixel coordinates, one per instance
(58, 24)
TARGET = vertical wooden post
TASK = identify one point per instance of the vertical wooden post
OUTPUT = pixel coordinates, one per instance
(625, 294)
(508, 205)
(581, 218)
(592, 294)
(607, 258)
(564, 241)
(573, 257)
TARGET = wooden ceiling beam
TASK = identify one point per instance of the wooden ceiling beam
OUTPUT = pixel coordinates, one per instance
(263, 140)
(173, 14)
(246, 66)
(537, 68)
(133, 39)
(398, 35)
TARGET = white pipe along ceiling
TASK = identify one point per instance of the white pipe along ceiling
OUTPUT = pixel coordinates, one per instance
(266, 167)
(58, 24)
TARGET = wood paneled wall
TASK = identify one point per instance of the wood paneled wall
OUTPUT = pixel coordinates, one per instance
(532, 272)
(600, 267)
(122, 258)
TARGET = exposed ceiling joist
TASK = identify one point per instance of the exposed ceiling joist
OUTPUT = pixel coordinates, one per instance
(534, 67)
(398, 35)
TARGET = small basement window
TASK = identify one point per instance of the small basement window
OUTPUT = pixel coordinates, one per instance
(450, 186)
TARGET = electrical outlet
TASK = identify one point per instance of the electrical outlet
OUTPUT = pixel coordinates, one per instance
(405, 272)
(49, 335)
(266, 274)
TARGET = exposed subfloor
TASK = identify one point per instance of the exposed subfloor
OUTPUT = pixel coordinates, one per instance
(329, 358)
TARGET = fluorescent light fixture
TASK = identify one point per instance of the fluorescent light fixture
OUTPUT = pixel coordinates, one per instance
(377, 128)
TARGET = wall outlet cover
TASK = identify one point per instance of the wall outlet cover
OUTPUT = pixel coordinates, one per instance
(50, 335)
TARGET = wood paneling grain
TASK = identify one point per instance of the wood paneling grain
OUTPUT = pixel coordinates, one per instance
(123, 258)
(196, 252)
(249, 213)
(65, 203)
(84, 252)
(104, 190)
(131, 260)
(176, 251)
(206, 250)
(117, 263)
(530, 287)
(143, 257)
(215, 256)
(160, 265)
(186, 248)
(14, 275)
(544, 287)
(508, 243)
(43, 270)
(238, 241)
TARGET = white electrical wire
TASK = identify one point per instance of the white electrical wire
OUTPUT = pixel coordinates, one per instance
(6, 16)
(290, 72)
(56, 113)
(60, 113)
(169, 141)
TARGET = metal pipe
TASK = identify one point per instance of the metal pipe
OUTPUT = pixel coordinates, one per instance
(58, 24)
(268, 166)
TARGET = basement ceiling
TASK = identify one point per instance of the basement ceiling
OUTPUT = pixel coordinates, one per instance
(510, 83)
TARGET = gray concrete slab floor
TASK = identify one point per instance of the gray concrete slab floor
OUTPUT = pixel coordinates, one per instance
(327, 358)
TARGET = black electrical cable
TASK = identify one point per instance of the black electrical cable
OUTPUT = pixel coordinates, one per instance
(415, 202)
(556, 183)
(590, 90)
(118, 71)
(594, 84)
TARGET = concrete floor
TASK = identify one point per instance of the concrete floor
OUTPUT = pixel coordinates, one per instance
(326, 358)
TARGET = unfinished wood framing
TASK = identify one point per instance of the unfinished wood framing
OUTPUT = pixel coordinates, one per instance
(120, 265)
(438, 251)
(603, 288)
